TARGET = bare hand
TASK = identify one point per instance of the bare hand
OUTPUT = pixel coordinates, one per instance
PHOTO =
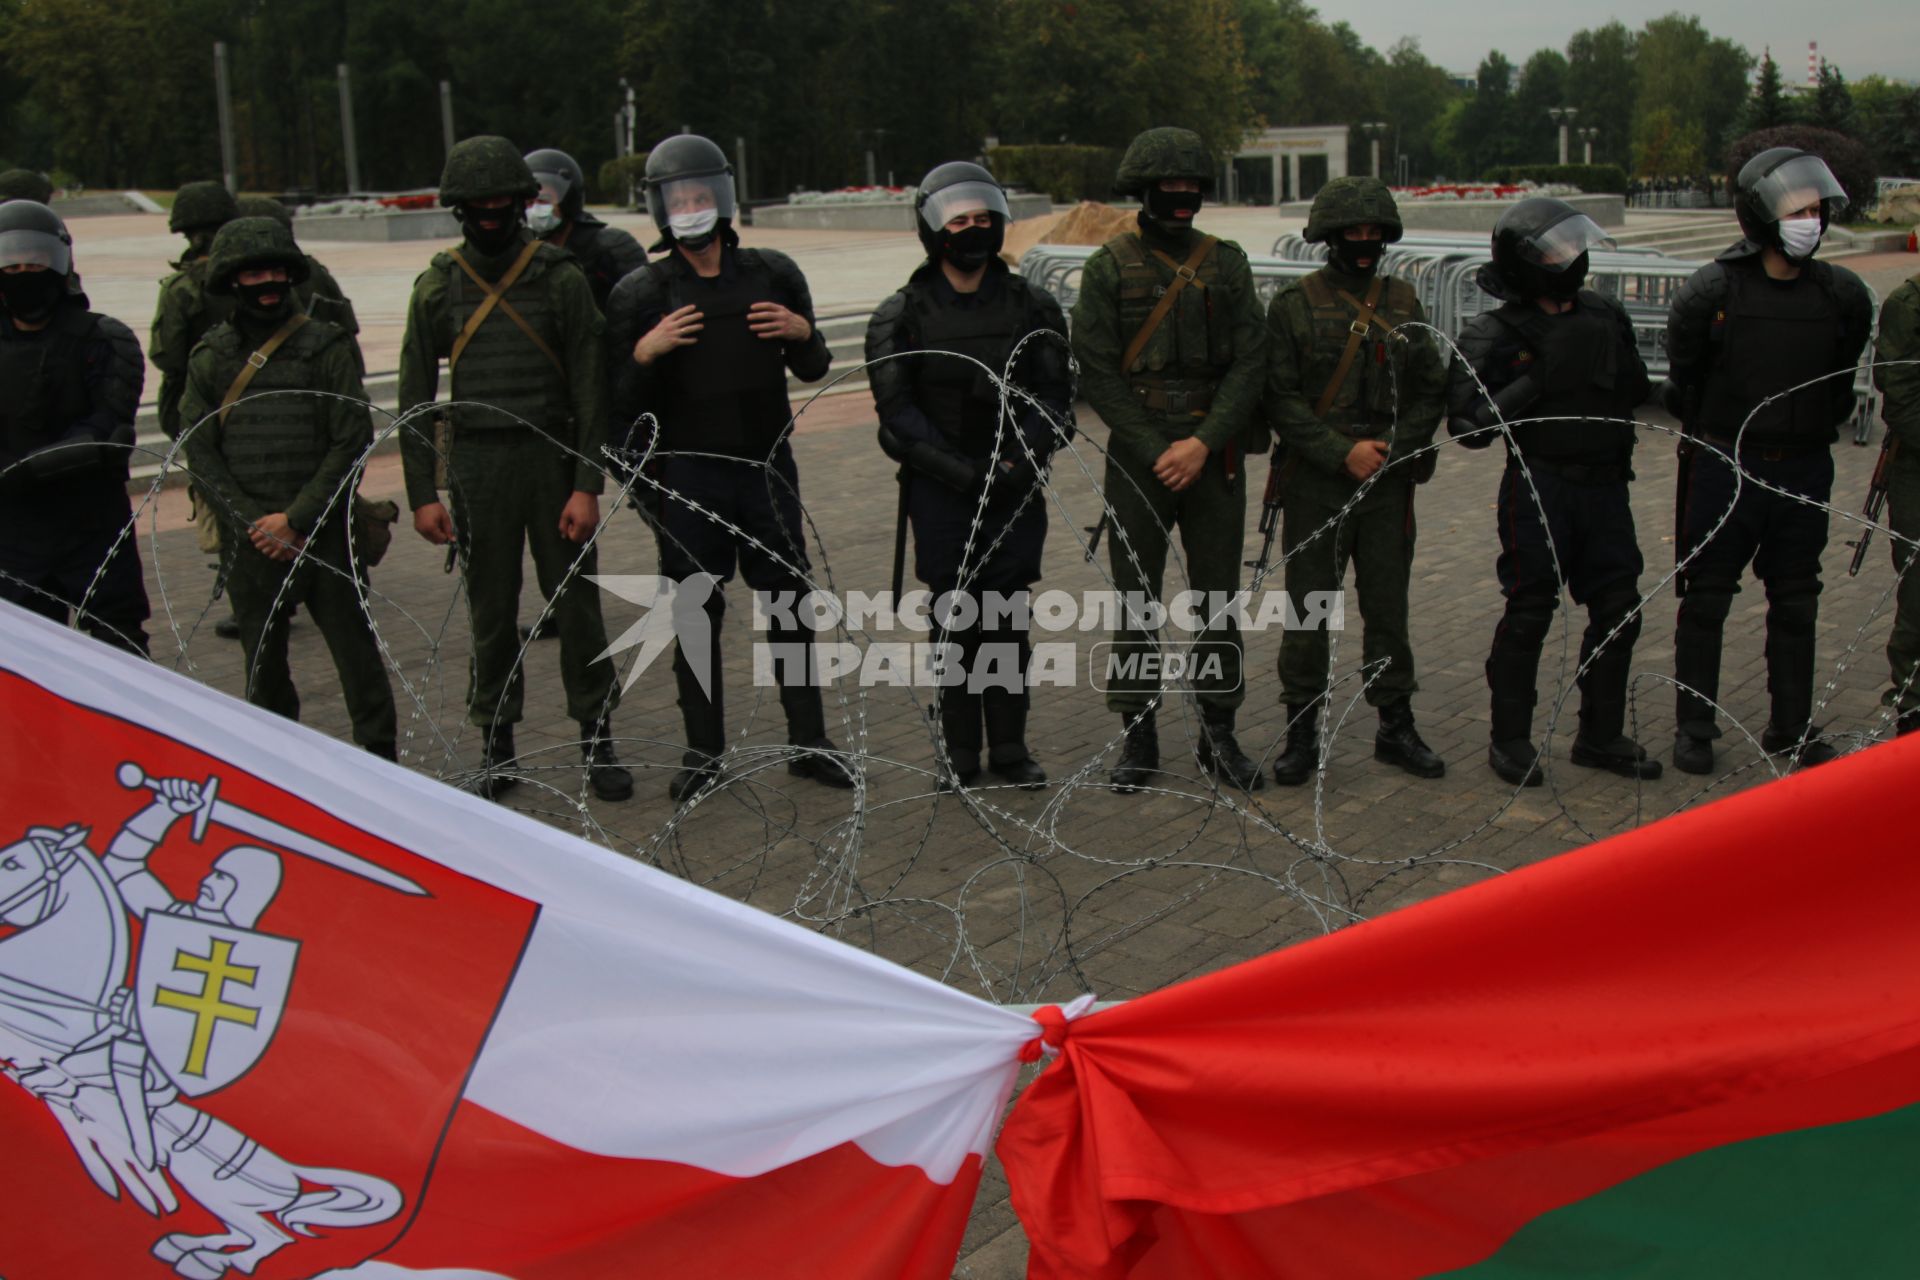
(1365, 458)
(1180, 465)
(273, 537)
(433, 523)
(771, 320)
(580, 517)
(676, 329)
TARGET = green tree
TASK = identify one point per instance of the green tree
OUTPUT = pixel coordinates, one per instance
(1415, 95)
(1769, 107)
(1890, 124)
(1488, 133)
(1543, 85)
(1600, 85)
(1693, 77)
(1832, 106)
(1665, 146)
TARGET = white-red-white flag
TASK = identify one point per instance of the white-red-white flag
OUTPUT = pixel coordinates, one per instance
(272, 1006)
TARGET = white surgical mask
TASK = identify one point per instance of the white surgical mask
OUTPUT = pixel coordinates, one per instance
(691, 226)
(1799, 237)
(542, 218)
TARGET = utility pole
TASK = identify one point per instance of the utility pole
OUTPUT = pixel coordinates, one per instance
(1375, 130)
(1562, 116)
(224, 93)
(346, 130)
(1587, 135)
(446, 114)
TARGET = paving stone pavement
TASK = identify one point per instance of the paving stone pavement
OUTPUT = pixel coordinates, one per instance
(1025, 897)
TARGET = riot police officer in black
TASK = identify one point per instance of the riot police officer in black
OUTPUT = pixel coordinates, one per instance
(1560, 362)
(702, 339)
(1764, 341)
(70, 382)
(971, 473)
(559, 216)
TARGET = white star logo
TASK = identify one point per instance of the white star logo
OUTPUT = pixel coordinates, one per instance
(674, 611)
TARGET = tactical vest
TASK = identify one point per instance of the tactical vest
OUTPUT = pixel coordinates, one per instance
(1589, 380)
(1364, 407)
(1192, 349)
(1768, 339)
(727, 393)
(501, 367)
(43, 381)
(957, 395)
(273, 443)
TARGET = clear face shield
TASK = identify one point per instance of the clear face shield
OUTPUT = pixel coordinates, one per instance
(35, 249)
(1797, 184)
(690, 208)
(1559, 246)
(949, 202)
(543, 214)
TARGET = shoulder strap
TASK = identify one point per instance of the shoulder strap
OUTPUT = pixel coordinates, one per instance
(258, 361)
(1126, 248)
(1182, 274)
(495, 296)
(1355, 331)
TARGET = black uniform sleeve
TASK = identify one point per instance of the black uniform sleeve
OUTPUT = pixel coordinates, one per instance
(1856, 327)
(1635, 384)
(636, 305)
(891, 380)
(809, 360)
(1689, 330)
(1047, 373)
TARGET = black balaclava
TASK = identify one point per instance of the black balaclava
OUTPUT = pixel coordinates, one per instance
(1562, 286)
(1172, 211)
(249, 296)
(32, 295)
(1346, 254)
(506, 229)
(972, 248)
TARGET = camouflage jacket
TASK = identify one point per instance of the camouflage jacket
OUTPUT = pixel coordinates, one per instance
(1900, 383)
(1229, 315)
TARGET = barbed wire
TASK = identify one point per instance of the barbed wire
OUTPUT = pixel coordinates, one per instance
(1019, 897)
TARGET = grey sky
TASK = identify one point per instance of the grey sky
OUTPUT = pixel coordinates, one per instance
(1861, 37)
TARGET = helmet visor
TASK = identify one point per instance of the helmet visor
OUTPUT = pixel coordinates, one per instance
(1559, 246)
(35, 249)
(948, 203)
(1796, 184)
(553, 188)
(682, 203)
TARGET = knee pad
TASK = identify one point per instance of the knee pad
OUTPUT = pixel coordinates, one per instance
(1705, 607)
(1610, 608)
(1793, 605)
(1527, 620)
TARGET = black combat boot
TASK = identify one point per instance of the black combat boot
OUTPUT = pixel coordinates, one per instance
(228, 628)
(1302, 756)
(604, 773)
(960, 730)
(1696, 670)
(815, 757)
(385, 750)
(1907, 723)
(1511, 754)
(1602, 742)
(697, 771)
(1804, 754)
(1007, 756)
(1221, 756)
(1790, 665)
(1139, 756)
(496, 757)
(703, 712)
(1398, 743)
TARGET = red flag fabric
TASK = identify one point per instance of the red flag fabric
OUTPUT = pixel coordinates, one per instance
(1411, 1095)
(272, 1007)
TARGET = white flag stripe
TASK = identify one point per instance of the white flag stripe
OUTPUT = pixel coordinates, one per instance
(748, 1042)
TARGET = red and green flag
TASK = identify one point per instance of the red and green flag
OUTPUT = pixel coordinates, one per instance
(1690, 1050)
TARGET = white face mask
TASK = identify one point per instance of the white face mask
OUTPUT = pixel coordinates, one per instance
(1799, 237)
(542, 218)
(691, 226)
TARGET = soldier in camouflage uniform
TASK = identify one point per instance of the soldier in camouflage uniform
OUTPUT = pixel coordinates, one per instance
(320, 294)
(1352, 395)
(516, 322)
(279, 470)
(1900, 383)
(1178, 386)
(25, 184)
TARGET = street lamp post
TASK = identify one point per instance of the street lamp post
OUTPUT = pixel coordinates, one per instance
(1562, 116)
(1375, 130)
(1587, 134)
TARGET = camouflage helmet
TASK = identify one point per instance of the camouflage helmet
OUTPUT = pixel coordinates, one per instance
(1162, 153)
(202, 206)
(25, 184)
(252, 243)
(484, 166)
(1352, 202)
(265, 207)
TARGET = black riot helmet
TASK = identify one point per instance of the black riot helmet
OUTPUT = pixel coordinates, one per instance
(1780, 181)
(32, 235)
(562, 187)
(1540, 248)
(689, 190)
(948, 191)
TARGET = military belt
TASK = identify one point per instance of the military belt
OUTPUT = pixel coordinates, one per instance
(1195, 402)
(1578, 472)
